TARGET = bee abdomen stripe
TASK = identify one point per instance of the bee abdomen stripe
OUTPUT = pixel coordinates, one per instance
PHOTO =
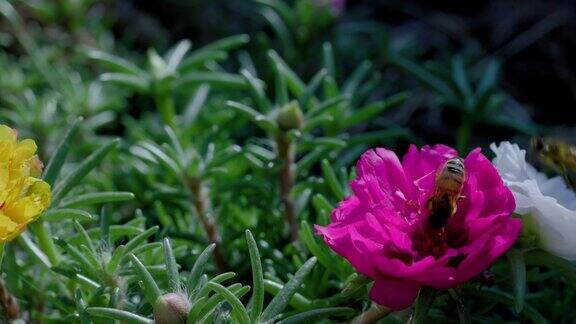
(454, 169)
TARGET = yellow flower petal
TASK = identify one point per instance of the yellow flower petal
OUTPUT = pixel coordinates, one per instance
(23, 197)
(41, 192)
(7, 227)
(24, 210)
(24, 150)
(4, 176)
(6, 149)
(7, 134)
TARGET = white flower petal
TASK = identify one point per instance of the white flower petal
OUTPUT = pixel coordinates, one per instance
(548, 203)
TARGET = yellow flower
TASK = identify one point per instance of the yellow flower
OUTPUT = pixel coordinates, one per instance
(23, 197)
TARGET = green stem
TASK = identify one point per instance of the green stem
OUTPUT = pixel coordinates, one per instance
(8, 302)
(372, 315)
(44, 236)
(1, 253)
(165, 104)
(198, 197)
(286, 153)
(463, 134)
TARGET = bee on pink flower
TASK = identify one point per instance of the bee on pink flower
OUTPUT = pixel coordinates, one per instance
(431, 219)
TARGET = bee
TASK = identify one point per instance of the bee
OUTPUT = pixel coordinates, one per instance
(447, 189)
(556, 155)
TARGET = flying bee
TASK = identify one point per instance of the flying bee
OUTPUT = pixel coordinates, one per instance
(556, 155)
(447, 188)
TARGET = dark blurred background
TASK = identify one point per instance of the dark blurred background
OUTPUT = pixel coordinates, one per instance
(535, 40)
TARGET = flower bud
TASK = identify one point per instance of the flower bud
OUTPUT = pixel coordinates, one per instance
(171, 308)
(290, 116)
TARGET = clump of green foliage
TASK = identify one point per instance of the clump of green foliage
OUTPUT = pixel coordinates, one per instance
(186, 181)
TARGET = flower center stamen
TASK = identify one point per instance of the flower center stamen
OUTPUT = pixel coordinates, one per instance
(430, 240)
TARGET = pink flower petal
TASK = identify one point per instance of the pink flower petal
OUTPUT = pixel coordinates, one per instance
(419, 163)
(488, 176)
(380, 172)
(393, 293)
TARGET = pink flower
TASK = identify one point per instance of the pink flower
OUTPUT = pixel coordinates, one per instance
(381, 229)
(337, 6)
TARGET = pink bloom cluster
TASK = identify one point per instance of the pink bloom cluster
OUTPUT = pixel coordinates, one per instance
(381, 229)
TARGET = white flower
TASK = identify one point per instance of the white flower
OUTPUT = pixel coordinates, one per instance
(547, 205)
